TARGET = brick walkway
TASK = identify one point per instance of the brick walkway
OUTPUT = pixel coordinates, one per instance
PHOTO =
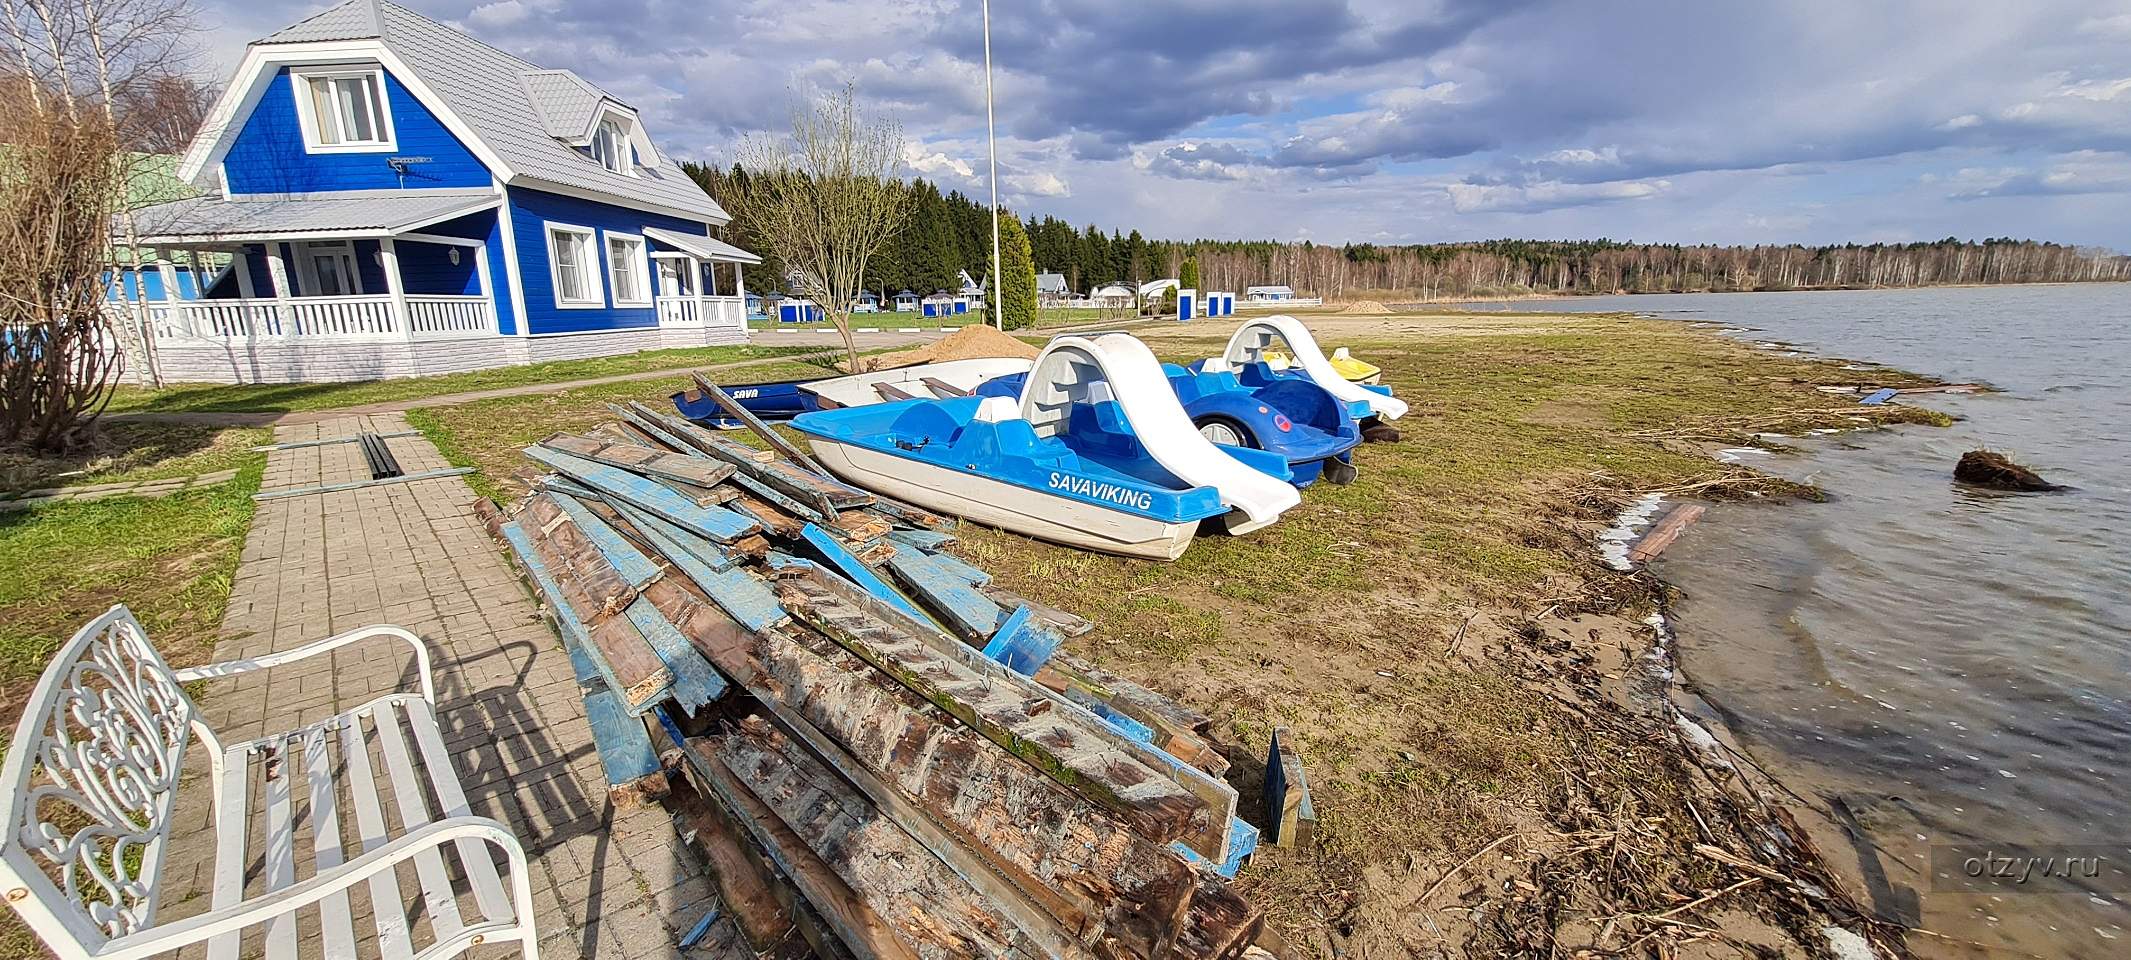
(607, 885)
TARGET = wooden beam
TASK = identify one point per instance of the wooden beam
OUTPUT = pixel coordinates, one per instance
(647, 461)
(598, 596)
(1290, 817)
(912, 892)
(634, 774)
(1142, 786)
(769, 909)
(970, 614)
(1665, 532)
(734, 410)
(714, 523)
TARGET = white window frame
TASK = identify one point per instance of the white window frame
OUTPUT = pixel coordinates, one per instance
(639, 267)
(595, 279)
(624, 143)
(300, 85)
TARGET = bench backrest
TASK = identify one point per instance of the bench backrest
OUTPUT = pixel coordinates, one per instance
(86, 793)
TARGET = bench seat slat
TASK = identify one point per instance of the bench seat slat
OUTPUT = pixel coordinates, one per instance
(280, 852)
(336, 926)
(231, 805)
(480, 870)
(414, 812)
(391, 916)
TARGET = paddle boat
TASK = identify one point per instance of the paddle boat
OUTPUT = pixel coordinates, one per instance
(1261, 341)
(785, 399)
(1295, 419)
(1093, 451)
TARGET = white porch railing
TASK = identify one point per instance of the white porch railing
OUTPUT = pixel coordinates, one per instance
(702, 311)
(366, 317)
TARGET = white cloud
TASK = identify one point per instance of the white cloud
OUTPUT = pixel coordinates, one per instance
(935, 163)
(1962, 122)
(1042, 183)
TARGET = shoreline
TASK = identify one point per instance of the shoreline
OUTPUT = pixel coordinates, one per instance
(1559, 296)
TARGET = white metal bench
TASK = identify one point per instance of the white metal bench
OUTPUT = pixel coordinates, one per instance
(86, 801)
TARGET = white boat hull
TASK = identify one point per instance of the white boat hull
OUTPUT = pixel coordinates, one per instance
(1005, 505)
(857, 390)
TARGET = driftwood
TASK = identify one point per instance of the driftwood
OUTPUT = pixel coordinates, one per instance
(1988, 468)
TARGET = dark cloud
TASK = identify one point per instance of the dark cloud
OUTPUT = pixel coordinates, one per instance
(1407, 118)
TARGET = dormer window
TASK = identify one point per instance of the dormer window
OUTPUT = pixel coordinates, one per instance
(610, 146)
(343, 110)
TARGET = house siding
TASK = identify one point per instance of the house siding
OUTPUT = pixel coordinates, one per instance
(268, 155)
(531, 212)
(487, 227)
(427, 268)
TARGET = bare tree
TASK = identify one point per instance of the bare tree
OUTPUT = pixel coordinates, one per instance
(826, 199)
(66, 173)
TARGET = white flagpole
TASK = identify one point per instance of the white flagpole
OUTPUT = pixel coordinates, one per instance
(997, 305)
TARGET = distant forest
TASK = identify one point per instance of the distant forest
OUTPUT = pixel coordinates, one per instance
(948, 232)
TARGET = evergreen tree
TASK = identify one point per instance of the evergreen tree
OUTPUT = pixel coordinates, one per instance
(1017, 275)
(1189, 275)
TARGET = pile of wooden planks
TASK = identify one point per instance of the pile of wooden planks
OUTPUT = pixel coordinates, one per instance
(880, 752)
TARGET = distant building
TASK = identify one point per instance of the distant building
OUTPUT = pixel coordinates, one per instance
(906, 301)
(1113, 295)
(1269, 294)
(1051, 289)
(867, 302)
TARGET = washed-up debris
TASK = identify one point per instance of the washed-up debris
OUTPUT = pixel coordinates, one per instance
(881, 752)
(1988, 468)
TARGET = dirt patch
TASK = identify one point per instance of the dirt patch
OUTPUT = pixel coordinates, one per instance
(1365, 308)
(974, 342)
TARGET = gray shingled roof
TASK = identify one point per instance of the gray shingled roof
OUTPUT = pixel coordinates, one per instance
(488, 89)
(214, 218)
(349, 21)
(564, 100)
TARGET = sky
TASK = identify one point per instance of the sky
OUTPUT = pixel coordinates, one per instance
(1399, 121)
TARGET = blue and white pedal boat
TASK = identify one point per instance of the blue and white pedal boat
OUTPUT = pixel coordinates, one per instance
(1094, 453)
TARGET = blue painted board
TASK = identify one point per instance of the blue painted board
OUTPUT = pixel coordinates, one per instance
(848, 564)
(1242, 842)
(922, 539)
(1024, 644)
(971, 614)
(714, 523)
(955, 565)
(695, 681)
(624, 747)
(694, 547)
(749, 601)
(1878, 397)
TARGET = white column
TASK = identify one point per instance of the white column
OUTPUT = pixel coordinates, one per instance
(740, 290)
(394, 288)
(278, 271)
(488, 287)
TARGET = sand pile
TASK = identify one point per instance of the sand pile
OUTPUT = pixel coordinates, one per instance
(1366, 308)
(973, 342)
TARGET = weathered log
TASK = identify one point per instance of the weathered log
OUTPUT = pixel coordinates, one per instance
(1050, 732)
(1290, 816)
(1988, 468)
(912, 893)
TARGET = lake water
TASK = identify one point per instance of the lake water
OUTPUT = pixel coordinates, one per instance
(1949, 670)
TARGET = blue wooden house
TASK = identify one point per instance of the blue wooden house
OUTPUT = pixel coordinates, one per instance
(391, 197)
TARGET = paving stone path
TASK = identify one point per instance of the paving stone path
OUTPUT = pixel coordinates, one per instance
(608, 885)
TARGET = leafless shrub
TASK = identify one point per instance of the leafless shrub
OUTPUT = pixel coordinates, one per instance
(825, 200)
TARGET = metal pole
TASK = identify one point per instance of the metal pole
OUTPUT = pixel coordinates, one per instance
(991, 136)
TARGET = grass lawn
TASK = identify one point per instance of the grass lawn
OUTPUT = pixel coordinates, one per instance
(889, 320)
(128, 451)
(185, 398)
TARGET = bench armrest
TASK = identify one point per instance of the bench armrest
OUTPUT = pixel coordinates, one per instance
(232, 668)
(165, 938)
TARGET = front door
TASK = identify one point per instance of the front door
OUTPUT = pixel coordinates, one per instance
(330, 269)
